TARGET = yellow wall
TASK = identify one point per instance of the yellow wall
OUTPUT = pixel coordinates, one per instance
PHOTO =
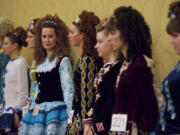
(154, 11)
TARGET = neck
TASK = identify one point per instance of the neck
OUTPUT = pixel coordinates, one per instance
(109, 59)
(15, 55)
(81, 48)
(124, 51)
(49, 53)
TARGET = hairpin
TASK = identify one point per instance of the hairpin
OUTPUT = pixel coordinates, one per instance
(30, 25)
(172, 16)
(77, 20)
(49, 21)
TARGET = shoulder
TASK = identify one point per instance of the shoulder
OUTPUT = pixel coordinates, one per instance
(140, 66)
(139, 63)
(87, 58)
(65, 60)
(21, 61)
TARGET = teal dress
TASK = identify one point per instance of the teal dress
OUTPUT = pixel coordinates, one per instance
(3, 61)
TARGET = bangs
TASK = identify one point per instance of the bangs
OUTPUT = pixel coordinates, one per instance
(173, 27)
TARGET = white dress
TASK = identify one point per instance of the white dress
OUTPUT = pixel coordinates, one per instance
(16, 83)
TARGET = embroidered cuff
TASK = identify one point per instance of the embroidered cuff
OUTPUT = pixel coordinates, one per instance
(87, 121)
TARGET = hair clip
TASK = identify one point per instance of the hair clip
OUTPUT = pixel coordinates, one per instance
(172, 16)
(77, 20)
(30, 25)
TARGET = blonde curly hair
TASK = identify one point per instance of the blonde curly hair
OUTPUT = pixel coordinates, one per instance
(6, 25)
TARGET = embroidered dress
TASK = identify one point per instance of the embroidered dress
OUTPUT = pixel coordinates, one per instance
(55, 94)
(84, 75)
(169, 121)
(3, 62)
(104, 83)
(135, 97)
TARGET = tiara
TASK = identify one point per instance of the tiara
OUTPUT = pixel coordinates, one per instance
(77, 20)
(50, 22)
(30, 25)
(172, 16)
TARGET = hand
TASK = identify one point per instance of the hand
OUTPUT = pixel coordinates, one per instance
(88, 130)
(16, 120)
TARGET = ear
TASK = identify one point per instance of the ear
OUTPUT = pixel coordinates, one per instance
(15, 45)
(81, 36)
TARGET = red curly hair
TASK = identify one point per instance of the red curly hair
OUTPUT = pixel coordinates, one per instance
(62, 46)
(87, 26)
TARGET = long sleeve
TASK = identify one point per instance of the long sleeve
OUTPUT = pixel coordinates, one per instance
(147, 99)
(66, 77)
(22, 84)
(88, 72)
(34, 85)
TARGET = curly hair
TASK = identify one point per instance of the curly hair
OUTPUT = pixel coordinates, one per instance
(134, 31)
(87, 26)
(6, 25)
(18, 36)
(62, 45)
(174, 14)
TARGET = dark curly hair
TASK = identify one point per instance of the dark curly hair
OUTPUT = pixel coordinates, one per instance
(18, 36)
(134, 31)
(62, 47)
(87, 26)
(174, 15)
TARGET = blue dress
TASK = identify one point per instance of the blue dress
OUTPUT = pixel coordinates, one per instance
(53, 115)
(3, 62)
(169, 120)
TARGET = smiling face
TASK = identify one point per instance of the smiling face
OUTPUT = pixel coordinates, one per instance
(48, 38)
(103, 46)
(175, 41)
(75, 37)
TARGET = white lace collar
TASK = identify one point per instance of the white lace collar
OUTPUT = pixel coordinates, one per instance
(47, 65)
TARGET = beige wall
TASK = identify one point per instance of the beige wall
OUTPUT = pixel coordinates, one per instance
(154, 11)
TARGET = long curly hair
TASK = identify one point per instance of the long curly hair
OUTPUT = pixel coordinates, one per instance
(62, 47)
(133, 30)
(87, 26)
(6, 25)
(18, 36)
(174, 15)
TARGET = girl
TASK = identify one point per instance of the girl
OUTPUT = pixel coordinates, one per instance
(49, 114)
(104, 83)
(135, 105)
(83, 35)
(6, 25)
(15, 78)
(169, 120)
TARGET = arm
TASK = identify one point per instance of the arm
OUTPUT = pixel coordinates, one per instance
(88, 72)
(34, 85)
(22, 84)
(67, 84)
(146, 96)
